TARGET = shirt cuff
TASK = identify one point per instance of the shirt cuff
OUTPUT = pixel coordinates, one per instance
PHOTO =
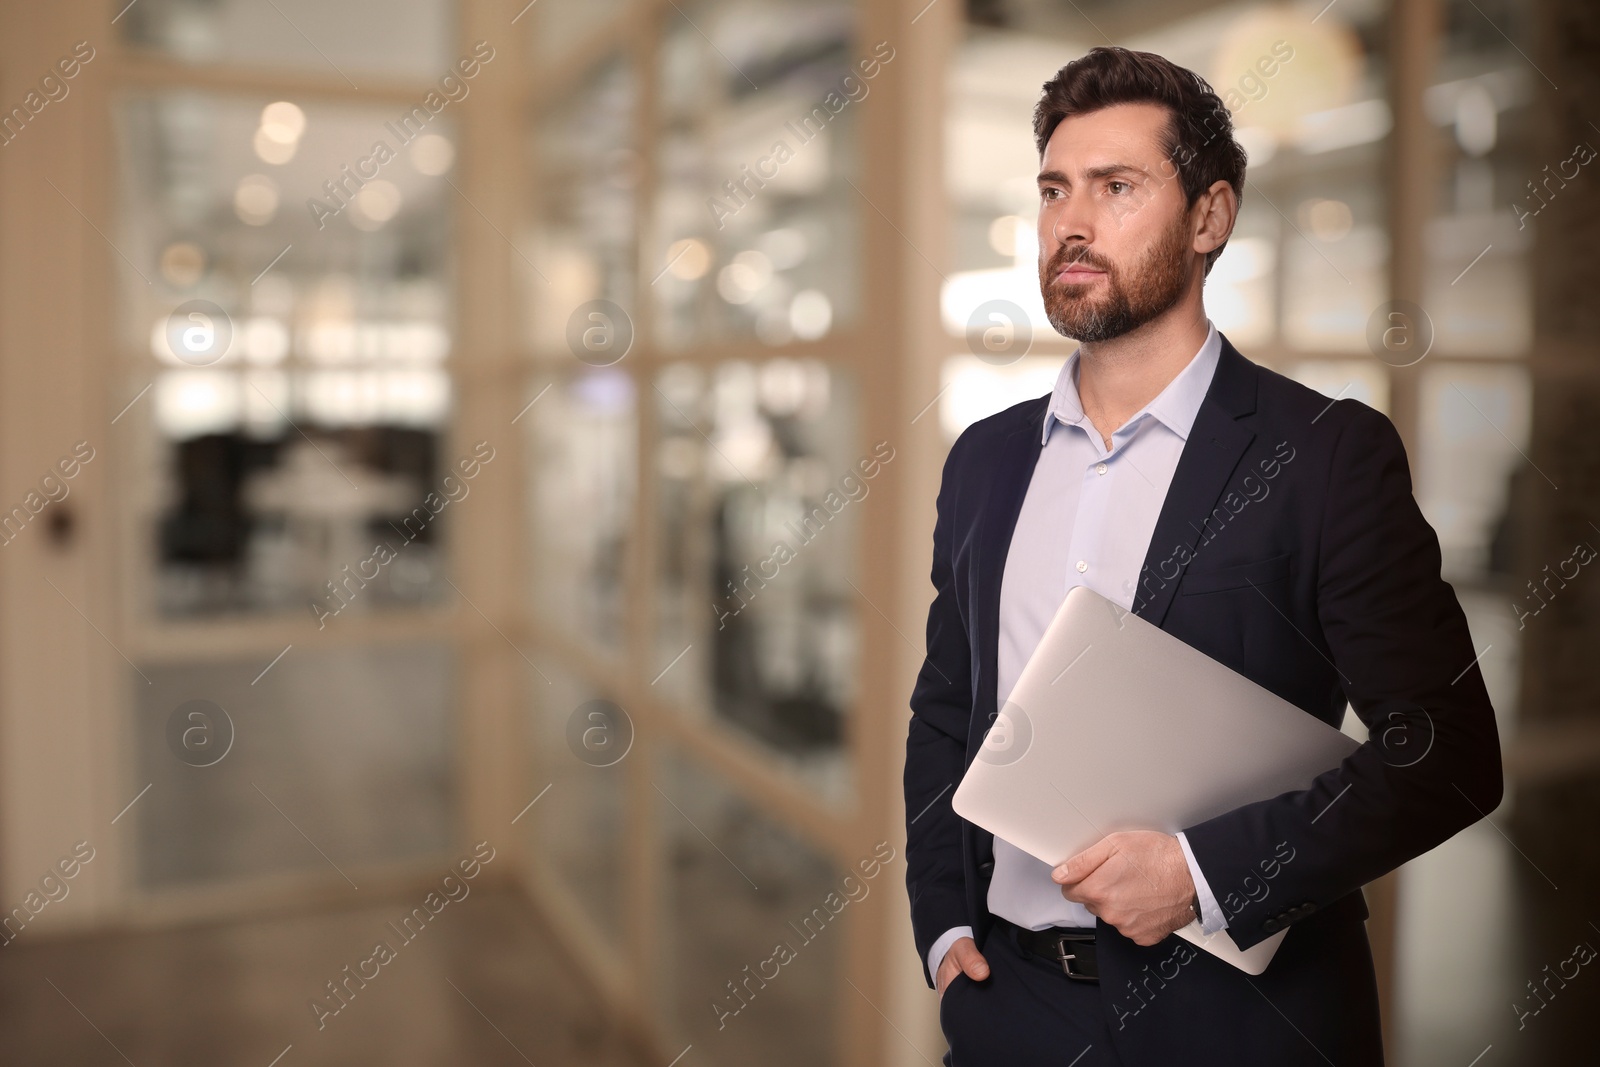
(941, 946)
(1211, 917)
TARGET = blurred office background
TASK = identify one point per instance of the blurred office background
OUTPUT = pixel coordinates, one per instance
(527, 295)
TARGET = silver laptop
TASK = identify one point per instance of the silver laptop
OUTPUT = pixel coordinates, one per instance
(1114, 724)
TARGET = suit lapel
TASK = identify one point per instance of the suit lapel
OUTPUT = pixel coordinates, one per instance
(996, 521)
(1217, 442)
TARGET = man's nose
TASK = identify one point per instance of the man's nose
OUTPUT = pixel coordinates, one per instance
(1069, 224)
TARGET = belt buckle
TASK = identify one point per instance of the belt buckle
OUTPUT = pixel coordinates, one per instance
(1066, 958)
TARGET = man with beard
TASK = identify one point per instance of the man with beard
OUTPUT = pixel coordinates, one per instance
(1258, 521)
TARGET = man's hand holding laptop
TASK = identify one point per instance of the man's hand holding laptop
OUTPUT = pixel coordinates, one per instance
(1136, 880)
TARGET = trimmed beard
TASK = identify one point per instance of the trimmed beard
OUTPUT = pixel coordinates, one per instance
(1154, 286)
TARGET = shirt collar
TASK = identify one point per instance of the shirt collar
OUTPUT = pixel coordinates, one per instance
(1175, 407)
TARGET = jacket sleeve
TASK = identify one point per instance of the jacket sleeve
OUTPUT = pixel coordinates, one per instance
(1396, 635)
(941, 708)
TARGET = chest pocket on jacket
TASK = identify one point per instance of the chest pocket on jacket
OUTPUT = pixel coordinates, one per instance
(1238, 576)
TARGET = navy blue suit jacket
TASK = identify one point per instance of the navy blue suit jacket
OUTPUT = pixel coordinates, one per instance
(1289, 548)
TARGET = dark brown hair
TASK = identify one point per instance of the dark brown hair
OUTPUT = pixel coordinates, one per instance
(1200, 140)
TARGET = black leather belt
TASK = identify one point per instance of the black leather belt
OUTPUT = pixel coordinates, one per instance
(1072, 948)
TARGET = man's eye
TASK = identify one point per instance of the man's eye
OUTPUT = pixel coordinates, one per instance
(1048, 193)
(1118, 188)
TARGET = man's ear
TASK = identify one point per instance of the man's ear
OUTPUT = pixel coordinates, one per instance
(1215, 213)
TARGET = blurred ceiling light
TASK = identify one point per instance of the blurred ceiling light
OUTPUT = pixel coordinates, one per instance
(1477, 120)
(744, 448)
(419, 341)
(271, 151)
(1245, 259)
(810, 314)
(1343, 127)
(333, 298)
(785, 247)
(330, 341)
(974, 389)
(736, 283)
(1261, 87)
(782, 386)
(1259, 143)
(746, 275)
(688, 259)
(418, 397)
(376, 203)
(182, 264)
(195, 402)
(819, 388)
(283, 122)
(342, 398)
(432, 154)
(266, 341)
(1328, 220)
(1003, 235)
(604, 391)
(255, 199)
(759, 265)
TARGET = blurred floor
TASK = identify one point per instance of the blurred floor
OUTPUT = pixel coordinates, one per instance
(221, 995)
(486, 985)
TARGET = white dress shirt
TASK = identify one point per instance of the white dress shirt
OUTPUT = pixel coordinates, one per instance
(1087, 520)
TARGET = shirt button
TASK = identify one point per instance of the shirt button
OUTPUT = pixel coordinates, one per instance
(1082, 566)
(1099, 468)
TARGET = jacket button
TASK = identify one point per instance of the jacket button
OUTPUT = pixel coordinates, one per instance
(1272, 925)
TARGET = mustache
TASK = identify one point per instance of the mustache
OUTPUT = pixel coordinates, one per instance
(1072, 255)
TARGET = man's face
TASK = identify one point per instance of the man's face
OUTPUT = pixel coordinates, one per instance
(1116, 245)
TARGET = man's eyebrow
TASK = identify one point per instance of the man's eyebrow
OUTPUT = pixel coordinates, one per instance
(1105, 171)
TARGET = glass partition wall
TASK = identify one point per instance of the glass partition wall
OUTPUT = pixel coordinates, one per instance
(286, 443)
(505, 445)
(700, 482)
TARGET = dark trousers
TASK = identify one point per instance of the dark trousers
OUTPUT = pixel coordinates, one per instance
(1317, 1004)
(1026, 1012)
